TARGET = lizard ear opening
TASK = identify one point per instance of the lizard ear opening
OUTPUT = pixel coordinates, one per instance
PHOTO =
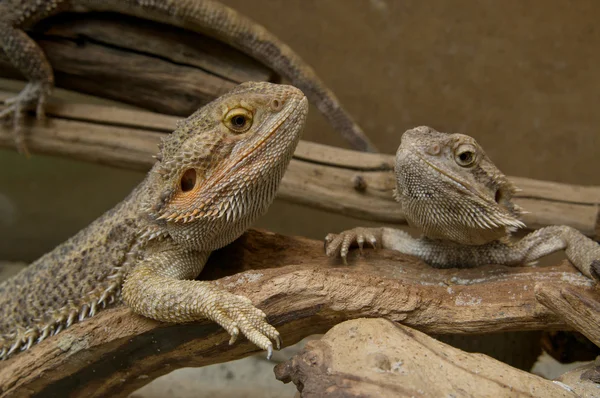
(498, 196)
(188, 180)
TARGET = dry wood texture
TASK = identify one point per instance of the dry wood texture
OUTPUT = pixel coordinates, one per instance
(333, 179)
(170, 70)
(142, 63)
(304, 293)
(173, 71)
(579, 309)
(377, 358)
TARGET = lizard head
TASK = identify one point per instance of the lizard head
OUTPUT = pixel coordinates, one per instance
(450, 188)
(221, 167)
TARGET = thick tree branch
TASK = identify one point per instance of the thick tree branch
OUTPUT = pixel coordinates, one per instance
(174, 71)
(333, 179)
(580, 309)
(304, 293)
(147, 64)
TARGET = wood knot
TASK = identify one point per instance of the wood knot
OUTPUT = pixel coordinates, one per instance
(359, 183)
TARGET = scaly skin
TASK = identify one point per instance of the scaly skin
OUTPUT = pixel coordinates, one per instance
(451, 190)
(203, 16)
(216, 173)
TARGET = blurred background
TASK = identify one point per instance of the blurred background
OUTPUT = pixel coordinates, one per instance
(520, 77)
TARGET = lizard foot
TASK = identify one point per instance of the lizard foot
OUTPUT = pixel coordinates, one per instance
(237, 313)
(339, 244)
(33, 93)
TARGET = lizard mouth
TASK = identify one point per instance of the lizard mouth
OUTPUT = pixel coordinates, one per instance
(451, 177)
(207, 194)
(272, 127)
(495, 214)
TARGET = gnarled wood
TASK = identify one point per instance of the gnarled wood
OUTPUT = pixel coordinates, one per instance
(377, 358)
(580, 309)
(304, 293)
(319, 176)
(142, 63)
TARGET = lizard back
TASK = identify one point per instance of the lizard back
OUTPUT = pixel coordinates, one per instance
(68, 283)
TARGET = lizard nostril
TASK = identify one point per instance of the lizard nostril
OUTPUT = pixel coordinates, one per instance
(188, 180)
(434, 149)
(276, 105)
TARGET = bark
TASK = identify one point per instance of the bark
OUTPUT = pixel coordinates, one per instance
(377, 358)
(142, 63)
(580, 309)
(304, 293)
(131, 60)
(338, 180)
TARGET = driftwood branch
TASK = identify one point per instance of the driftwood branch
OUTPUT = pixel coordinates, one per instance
(131, 60)
(333, 179)
(580, 309)
(147, 64)
(377, 358)
(304, 293)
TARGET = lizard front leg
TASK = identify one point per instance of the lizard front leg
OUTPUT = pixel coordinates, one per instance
(29, 58)
(384, 238)
(583, 252)
(161, 287)
(435, 253)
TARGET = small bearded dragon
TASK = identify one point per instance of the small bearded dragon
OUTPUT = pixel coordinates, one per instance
(216, 173)
(204, 16)
(450, 189)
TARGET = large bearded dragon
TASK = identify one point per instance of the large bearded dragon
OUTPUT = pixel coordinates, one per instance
(450, 189)
(216, 173)
(203, 16)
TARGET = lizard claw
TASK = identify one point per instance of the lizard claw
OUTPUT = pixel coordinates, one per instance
(340, 244)
(237, 314)
(33, 93)
(235, 332)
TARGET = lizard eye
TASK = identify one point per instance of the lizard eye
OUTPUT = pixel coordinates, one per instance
(188, 180)
(238, 120)
(465, 156)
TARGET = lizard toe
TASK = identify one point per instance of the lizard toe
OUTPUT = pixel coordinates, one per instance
(595, 269)
(332, 248)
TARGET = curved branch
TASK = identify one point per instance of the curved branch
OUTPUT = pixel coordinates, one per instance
(579, 309)
(304, 293)
(352, 183)
(126, 59)
(376, 358)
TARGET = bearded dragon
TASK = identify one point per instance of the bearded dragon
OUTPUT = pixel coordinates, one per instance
(203, 16)
(450, 189)
(216, 173)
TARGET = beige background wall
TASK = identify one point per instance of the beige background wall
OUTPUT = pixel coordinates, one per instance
(521, 77)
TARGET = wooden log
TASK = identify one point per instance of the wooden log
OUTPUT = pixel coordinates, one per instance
(581, 310)
(304, 293)
(142, 63)
(377, 358)
(333, 179)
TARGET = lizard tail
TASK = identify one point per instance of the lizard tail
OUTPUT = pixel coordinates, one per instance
(219, 21)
